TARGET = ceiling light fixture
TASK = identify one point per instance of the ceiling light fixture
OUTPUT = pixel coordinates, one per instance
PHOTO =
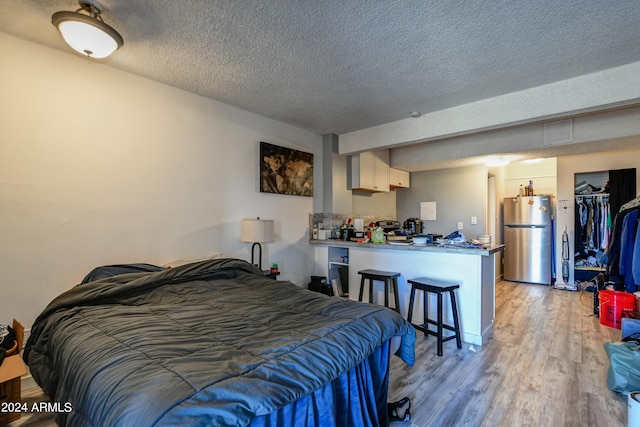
(415, 114)
(497, 161)
(88, 34)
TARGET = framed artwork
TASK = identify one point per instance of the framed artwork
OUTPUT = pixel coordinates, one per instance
(285, 171)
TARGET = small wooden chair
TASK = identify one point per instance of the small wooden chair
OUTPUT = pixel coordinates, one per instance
(389, 278)
(438, 287)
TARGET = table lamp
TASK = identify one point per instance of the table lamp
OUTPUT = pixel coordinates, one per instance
(257, 231)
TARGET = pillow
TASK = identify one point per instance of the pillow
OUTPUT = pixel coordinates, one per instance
(117, 269)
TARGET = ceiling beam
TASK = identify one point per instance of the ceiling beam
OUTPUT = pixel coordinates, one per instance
(604, 90)
(612, 130)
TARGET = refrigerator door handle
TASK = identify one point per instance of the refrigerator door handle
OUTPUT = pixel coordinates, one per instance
(527, 226)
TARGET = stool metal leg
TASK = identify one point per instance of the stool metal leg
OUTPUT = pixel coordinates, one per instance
(361, 288)
(456, 323)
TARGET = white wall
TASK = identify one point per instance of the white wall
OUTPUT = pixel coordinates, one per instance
(99, 166)
(567, 167)
(380, 205)
(336, 197)
(543, 175)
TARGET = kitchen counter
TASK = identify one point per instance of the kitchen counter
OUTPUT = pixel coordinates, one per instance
(430, 247)
(474, 269)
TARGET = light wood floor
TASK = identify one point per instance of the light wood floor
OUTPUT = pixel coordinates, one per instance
(544, 366)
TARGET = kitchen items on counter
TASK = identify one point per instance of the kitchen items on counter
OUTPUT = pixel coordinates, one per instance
(388, 226)
(347, 232)
(456, 236)
(354, 231)
(413, 226)
(377, 235)
(458, 239)
(420, 240)
(411, 232)
(484, 238)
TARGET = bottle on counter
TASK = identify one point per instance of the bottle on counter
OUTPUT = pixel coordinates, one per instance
(530, 188)
(521, 192)
(314, 235)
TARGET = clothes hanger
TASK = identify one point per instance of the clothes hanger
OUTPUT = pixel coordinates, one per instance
(631, 204)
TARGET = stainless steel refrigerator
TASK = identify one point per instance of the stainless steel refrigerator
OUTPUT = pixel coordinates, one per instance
(527, 239)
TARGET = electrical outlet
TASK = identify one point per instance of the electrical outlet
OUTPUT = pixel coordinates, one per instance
(460, 225)
(474, 220)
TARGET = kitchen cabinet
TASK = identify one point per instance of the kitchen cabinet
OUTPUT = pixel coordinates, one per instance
(370, 171)
(398, 178)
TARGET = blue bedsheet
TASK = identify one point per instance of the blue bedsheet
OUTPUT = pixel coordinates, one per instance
(210, 343)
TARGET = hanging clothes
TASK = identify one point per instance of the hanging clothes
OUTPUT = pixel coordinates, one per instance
(635, 264)
(592, 229)
(578, 245)
(620, 251)
(623, 252)
(627, 246)
(606, 225)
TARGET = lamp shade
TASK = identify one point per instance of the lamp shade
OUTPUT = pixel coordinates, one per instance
(257, 231)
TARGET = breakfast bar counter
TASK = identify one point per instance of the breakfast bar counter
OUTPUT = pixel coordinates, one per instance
(400, 245)
(474, 269)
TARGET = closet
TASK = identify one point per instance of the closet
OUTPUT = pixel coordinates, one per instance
(600, 237)
(592, 223)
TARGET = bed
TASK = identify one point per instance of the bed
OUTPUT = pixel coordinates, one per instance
(213, 343)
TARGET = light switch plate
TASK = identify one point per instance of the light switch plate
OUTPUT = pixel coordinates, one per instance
(460, 226)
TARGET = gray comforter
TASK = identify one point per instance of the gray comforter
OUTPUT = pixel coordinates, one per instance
(211, 343)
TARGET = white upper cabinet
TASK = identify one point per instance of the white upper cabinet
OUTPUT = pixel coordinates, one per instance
(370, 171)
(398, 178)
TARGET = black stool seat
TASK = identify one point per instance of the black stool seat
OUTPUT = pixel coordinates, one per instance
(438, 287)
(389, 278)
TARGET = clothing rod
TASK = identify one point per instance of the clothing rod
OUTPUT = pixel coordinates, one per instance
(580, 197)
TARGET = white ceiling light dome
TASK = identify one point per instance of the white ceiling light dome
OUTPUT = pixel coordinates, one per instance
(88, 34)
(497, 161)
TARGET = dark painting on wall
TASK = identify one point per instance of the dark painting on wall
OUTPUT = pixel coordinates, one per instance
(285, 171)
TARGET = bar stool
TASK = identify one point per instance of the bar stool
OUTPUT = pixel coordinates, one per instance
(388, 277)
(438, 287)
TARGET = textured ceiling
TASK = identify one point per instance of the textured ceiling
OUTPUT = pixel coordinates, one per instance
(335, 66)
